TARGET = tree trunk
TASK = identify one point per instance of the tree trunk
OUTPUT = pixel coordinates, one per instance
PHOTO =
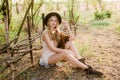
(17, 8)
(72, 13)
(6, 28)
(32, 14)
(23, 22)
(29, 36)
(8, 13)
(43, 15)
(6, 21)
(87, 6)
(100, 5)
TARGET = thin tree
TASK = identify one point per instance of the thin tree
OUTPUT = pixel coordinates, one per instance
(25, 16)
(5, 9)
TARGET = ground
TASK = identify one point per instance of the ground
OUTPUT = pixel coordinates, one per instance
(100, 47)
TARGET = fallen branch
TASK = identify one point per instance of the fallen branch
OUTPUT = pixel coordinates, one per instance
(4, 68)
(14, 60)
(4, 76)
(23, 70)
(18, 45)
(15, 45)
(3, 49)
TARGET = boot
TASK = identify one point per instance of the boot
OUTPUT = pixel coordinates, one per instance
(91, 71)
(82, 60)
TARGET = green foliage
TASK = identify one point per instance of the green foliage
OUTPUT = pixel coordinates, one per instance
(85, 18)
(66, 17)
(37, 20)
(1, 16)
(102, 15)
(1, 28)
(100, 23)
(108, 14)
(84, 49)
(118, 29)
(12, 30)
(12, 33)
(76, 17)
(73, 14)
(2, 36)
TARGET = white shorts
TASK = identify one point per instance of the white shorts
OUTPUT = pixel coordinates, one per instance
(44, 63)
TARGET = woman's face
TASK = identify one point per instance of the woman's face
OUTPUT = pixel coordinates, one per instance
(53, 22)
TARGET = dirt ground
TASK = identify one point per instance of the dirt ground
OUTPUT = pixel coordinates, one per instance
(106, 58)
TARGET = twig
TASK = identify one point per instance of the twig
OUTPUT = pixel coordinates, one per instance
(38, 7)
(6, 46)
(23, 22)
(4, 76)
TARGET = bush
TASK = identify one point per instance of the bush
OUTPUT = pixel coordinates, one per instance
(84, 48)
(102, 15)
(107, 14)
(118, 29)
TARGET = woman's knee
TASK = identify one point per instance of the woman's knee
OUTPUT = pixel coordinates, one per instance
(67, 54)
(63, 55)
(71, 53)
(67, 44)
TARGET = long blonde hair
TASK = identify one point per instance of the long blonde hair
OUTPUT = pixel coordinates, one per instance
(54, 37)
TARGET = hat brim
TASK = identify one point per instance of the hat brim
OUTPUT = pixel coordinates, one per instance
(50, 15)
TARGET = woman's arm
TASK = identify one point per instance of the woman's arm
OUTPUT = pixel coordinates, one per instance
(72, 37)
(65, 24)
(49, 44)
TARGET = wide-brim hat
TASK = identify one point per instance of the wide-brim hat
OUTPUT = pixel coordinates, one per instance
(50, 15)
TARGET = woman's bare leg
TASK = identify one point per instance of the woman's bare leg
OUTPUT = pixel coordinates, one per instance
(69, 57)
(71, 45)
(61, 56)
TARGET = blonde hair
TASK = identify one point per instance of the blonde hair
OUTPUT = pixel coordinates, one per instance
(54, 37)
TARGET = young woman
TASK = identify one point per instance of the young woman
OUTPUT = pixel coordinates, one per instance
(51, 54)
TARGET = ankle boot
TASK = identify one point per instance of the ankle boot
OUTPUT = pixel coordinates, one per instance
(91, 71)
(82, 60)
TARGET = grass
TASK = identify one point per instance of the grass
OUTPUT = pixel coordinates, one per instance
(100, 24)
(84, 49)
(118, 29)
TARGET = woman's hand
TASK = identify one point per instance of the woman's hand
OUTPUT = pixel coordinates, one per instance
(65, 51)
(65, 24)
(72, 38)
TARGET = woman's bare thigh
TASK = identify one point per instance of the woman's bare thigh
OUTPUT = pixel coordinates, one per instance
(71, 46)
(53, 59)
(68, 46)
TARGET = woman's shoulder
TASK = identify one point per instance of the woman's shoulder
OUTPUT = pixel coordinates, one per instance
(44, 32)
